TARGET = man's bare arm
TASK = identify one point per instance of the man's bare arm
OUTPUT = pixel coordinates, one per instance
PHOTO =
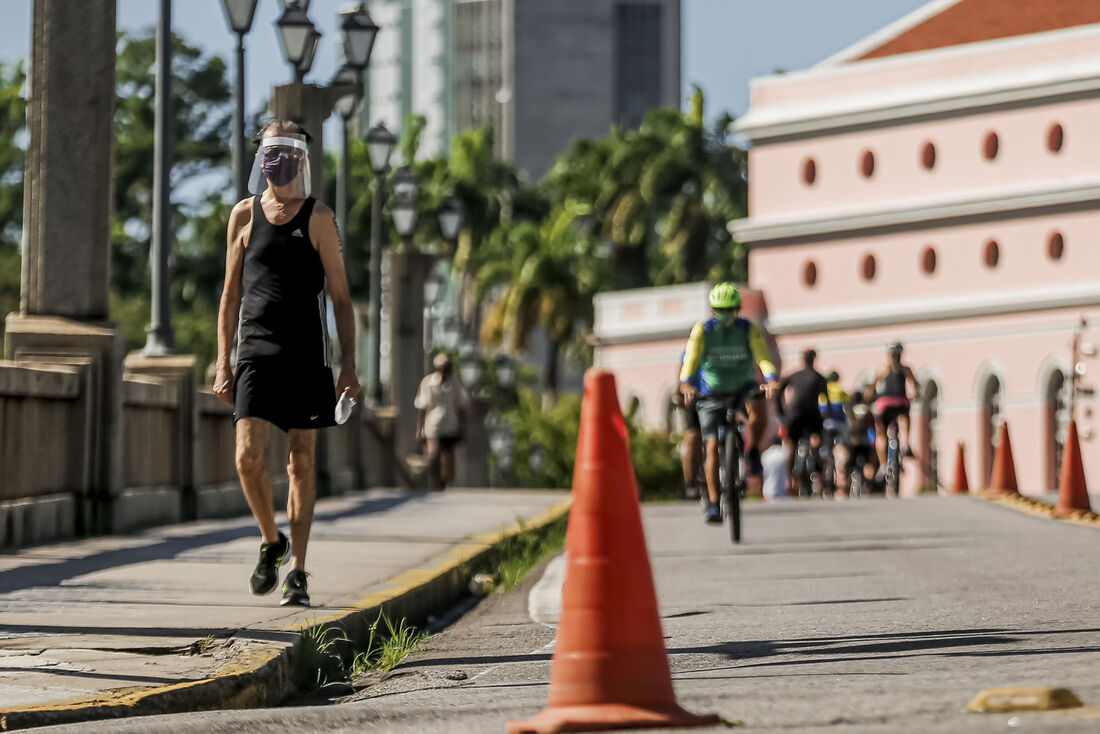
(326, 236)
(229, 308)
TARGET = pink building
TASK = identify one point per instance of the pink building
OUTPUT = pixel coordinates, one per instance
(939, 183)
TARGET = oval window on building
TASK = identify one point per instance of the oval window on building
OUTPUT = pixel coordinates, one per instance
(1056, 246)
(928, 155)
(991, 145)
(868, 269)
(809, 273)
(992, 254)
(809, 171)
(1055, 137)
(867, 164)
(928, 260)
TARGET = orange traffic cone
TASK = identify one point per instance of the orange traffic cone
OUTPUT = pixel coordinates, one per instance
(1003, 480)
(960, 485)
(1073, 494)
(610, 668)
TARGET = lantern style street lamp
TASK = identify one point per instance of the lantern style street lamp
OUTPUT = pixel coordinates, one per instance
(404, 204)
(506, 371)
(451, 216)
(359, 32)
(298, 36)
(380, 145)
(239, 14)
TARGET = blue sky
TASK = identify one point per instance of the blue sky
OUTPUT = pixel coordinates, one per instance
(725, 42)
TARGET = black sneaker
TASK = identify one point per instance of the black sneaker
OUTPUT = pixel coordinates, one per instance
(265, 577)
(294, 589)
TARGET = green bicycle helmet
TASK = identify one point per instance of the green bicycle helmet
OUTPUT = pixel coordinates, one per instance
(725, 295)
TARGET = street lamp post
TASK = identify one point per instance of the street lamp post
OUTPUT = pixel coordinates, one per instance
(239, 15)
(346, 104)
(380, 144)
(433, 285)
(160, 339)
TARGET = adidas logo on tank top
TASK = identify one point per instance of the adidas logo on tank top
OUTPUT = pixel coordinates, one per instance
(297, 233)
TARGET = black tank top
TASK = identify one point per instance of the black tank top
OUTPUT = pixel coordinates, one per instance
(283, 311)
(893, 385)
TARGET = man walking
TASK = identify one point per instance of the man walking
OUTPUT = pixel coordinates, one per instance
(282, 247)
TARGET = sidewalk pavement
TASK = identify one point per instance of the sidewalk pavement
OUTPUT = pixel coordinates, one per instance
(162, 621)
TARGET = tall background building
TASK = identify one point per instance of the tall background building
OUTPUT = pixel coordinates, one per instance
(541, 72)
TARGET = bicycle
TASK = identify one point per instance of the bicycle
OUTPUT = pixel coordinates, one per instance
(893, 459)
(805, 468)
(731, 466)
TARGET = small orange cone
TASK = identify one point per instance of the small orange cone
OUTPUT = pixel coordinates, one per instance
(1003, 480)
(610, 668)
(1073, 494)
(960, 485)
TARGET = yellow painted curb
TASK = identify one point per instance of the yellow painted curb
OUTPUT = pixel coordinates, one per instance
(1023, 698)
(244, 682)
(1037, 507)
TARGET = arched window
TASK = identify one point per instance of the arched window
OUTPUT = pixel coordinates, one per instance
(930, 430)
(992, 402)
(1056, 409)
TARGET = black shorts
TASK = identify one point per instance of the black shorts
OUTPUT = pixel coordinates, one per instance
(803, 425)
(689, 417)
(284, 394)
(446, 442)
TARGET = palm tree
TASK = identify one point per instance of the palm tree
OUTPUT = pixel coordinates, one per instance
(548, 281)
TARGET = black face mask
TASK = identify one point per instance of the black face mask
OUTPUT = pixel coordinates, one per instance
(279, 166)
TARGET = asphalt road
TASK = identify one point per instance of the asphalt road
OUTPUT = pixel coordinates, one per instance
(867, 616)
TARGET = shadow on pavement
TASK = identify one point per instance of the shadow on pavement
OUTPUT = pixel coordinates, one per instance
(54, 574)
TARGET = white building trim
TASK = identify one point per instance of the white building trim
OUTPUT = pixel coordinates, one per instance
(1018, 201)
(942, 97)
(888, 33)
(937, 308)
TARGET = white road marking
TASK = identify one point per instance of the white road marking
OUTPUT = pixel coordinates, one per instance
(544, 601)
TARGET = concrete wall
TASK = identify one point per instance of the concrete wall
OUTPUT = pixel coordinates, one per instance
(46, 486)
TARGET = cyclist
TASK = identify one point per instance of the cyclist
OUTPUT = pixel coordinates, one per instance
(835, 423)
(892, 401)
(855, 451)
(691, 446)
(802, 414)
(723, 350)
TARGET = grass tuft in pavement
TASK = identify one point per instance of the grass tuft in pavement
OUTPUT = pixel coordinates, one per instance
(513, 557)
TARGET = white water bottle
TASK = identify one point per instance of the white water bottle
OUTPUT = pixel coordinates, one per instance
(343, 408)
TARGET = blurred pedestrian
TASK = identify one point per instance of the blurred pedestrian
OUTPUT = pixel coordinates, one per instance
(442, 405)
(282, 247)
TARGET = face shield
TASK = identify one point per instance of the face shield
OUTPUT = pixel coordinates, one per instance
(283, 163)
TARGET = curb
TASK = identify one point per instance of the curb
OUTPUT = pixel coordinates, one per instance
(1037, 508)
(260, 673)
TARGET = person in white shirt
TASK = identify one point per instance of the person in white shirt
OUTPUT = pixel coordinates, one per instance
(441, 406)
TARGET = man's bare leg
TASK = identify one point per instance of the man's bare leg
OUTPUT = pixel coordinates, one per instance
(711, 469)
(251, 457)
(303, 492)
(757, 410)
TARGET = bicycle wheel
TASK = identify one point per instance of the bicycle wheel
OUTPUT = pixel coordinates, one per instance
(732, 482)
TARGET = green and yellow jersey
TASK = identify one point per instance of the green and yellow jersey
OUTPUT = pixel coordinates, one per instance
(724, 356)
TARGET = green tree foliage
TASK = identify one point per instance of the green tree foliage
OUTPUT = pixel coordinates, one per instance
(554, 430)
(12, 124)
(659, 197)
(201, 109)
